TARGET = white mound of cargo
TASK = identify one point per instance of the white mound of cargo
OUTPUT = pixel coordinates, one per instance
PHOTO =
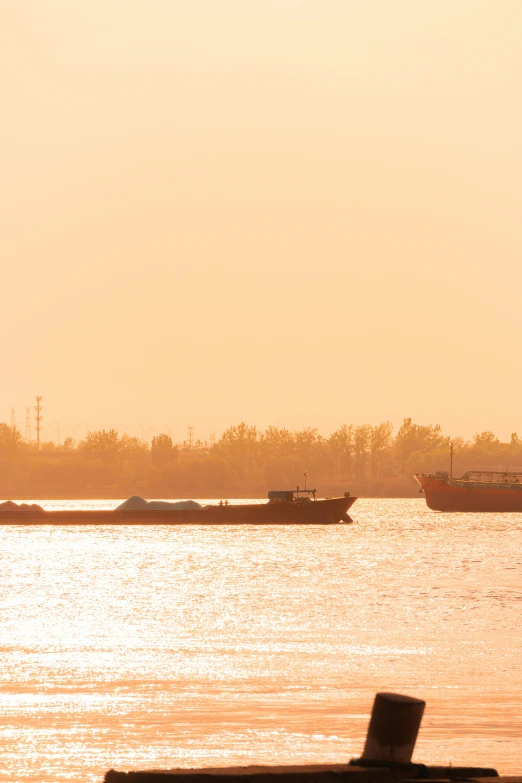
(135, 503)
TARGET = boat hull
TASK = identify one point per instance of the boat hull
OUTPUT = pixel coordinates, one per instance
(443, 496)
(321, 512)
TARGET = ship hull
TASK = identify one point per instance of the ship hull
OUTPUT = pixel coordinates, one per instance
(321, 512)
(442, 496)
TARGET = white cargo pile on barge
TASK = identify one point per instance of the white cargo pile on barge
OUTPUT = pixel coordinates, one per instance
(136, 503)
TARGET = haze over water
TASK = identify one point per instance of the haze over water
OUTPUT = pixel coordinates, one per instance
(257, 210)
(133, 647)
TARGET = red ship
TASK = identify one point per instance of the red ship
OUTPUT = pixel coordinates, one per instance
(483, 489)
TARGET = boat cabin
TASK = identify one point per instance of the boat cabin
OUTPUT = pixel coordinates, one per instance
(291, 495)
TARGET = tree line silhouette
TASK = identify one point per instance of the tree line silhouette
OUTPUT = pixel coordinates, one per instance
(245, 461)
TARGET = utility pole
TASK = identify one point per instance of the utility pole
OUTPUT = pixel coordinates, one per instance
(451, 459)
(212, 437)
(39, 418)
(190, 430)
(28, 424)
(13, 418)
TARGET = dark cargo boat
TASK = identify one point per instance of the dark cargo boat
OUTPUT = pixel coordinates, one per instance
(483, 489)
(284, 507)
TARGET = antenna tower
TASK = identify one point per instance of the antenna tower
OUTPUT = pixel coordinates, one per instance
(39, 418)
(28, 424)
(13, 418)
(190, 430)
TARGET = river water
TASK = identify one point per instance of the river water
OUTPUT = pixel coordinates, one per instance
(132, 647)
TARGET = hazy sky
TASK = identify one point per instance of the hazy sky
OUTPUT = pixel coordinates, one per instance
(298, 212)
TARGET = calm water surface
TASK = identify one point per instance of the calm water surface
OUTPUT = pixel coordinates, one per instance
(133, 647)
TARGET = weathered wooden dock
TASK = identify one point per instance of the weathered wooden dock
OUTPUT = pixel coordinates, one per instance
(392, 733)
(334, 773)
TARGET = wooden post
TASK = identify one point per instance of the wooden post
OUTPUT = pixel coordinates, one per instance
(393, 728)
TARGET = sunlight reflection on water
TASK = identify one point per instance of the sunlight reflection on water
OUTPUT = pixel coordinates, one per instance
(136, 647)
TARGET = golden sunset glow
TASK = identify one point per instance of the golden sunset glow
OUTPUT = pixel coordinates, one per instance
(261, 264)
(294, 213)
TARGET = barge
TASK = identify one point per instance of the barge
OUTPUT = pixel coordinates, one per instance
(284, 507)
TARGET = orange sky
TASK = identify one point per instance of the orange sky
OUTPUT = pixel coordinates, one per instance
(296, 212)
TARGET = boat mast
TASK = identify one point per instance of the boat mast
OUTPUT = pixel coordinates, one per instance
(451, 459)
